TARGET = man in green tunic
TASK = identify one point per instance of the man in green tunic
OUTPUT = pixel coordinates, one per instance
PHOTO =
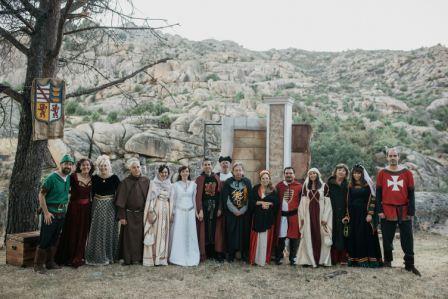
(53, 200)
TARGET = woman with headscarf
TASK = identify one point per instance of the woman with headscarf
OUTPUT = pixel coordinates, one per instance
(157, 219)
(263, 203)
(131, 196)
(338, 192)
(102, 244)
(72, 244)
(363, 243)
(315, 216)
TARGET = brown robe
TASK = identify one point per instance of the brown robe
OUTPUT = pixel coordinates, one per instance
(131, 198)
(200, 225)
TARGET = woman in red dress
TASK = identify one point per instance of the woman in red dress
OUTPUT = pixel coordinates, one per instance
(73, 239)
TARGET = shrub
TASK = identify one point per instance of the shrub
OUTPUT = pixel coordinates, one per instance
(239, 96)
(165, 121)
(95, 116)
(212, 77)
(112, 117)
(331, 149)
(153, 108)
(441, 115)
(138, 88)
(74, 108)
(289, 85)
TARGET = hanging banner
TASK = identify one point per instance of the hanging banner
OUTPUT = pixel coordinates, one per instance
(47, 98)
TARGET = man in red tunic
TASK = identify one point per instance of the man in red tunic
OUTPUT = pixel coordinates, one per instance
(208, 209)
(396, 206)
(287, 222)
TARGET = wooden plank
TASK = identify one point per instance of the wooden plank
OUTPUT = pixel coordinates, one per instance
(259, 134)
(249, 142)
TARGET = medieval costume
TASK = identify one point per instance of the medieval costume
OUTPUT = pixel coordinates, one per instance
(363, 243)
(102, 244)
(338, 195)
(208, 200)
(220, 220)
(157, 220)
(235, 198)
(316, 215)
(184, 238)
(287, 222)
(262, 228)
(395, 198)
(72, 244)
(131, 196)
(55, 189)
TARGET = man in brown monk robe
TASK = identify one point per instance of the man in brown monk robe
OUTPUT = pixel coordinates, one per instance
(131, 198)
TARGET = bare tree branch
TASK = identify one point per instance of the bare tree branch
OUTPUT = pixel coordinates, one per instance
(119, 28)
(34, 11)
(115, 82)
(9, 7)
(162, 84)
(10, 38)
(60, 34)
(73, 7)
(11, 93)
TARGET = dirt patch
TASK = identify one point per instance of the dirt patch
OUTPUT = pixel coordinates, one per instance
(239, 280)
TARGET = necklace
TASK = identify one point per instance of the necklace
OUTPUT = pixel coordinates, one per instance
(187, 184)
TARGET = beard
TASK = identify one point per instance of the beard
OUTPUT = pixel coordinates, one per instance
(394, 162)
(66, 171)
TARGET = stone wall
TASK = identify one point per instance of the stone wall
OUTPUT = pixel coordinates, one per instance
(249, 147)
(276, 142)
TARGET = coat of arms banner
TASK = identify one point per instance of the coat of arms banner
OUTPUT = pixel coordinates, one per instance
(47, 104)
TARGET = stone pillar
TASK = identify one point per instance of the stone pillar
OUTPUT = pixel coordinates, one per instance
(278, 135)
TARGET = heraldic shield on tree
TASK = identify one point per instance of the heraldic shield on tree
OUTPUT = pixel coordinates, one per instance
(48, 109)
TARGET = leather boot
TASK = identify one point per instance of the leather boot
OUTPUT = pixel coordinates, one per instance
(409, 265)
(294, 245)
(388, 259)
(51, 264)
(39, 261)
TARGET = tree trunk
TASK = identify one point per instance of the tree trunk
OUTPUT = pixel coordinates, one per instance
(26, 174)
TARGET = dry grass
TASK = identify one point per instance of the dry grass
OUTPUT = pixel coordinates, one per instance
(238, 280)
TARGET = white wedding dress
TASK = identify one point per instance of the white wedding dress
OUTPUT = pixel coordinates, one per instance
(184, 244)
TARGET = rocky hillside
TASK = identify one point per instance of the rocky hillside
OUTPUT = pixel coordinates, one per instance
(357, 101)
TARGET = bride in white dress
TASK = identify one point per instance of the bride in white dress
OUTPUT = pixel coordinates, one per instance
(184, 244)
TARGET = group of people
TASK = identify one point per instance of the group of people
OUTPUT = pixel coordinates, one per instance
(221, 216)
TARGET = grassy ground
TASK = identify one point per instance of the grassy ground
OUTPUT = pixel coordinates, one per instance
(238, 280)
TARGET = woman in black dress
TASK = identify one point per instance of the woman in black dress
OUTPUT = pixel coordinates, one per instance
(102, 244)
(363, 244)
(263, 203)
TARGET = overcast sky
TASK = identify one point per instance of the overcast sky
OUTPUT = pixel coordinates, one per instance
(320, 25)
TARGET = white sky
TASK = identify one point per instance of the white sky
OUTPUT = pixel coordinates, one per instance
(318, 25)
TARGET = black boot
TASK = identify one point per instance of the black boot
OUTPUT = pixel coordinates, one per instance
(231, 257)
(409, 265)
(388, 258)
(39, 260)
(50, 263)
(220, 257)
(293, 246)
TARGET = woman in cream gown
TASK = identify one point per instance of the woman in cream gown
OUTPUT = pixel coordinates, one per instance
(184, 244)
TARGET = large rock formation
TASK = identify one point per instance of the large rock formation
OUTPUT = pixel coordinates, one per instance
(432, 212)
